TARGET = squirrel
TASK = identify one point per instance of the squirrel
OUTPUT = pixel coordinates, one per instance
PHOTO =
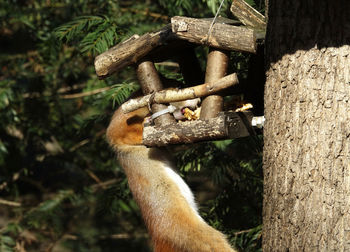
(166, 202)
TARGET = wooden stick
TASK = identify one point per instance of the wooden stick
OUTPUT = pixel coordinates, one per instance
(129, 51)
(10, 203)
(225, 125)
(174, 95)
(222, 36)
(248, 15)
(217, 63)
(150, 83)
(148, 77)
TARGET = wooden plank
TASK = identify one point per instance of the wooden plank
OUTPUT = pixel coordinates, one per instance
(222, 36)
(225, 125)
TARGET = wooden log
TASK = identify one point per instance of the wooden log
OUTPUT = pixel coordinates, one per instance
(248, 15)
(148, 77)
(129, 51)
(174, 95)
(150, 83)
(222, 36)
(225, 125)
(217, 63)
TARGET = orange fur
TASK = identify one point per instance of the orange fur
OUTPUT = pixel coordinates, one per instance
(126, 128)
(172, 222)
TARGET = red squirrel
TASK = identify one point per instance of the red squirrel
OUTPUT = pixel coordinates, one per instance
(166, 202)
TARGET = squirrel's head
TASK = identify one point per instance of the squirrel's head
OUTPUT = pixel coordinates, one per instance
(126, 129)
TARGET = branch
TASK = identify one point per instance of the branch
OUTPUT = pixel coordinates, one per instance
(59, 91)
(171, 95)
(245, 231)
(88, 93)
(146, 13)
(104, 184)
(9, 203)
(248, 15)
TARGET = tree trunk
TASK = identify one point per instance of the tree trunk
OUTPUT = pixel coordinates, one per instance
(307, 128)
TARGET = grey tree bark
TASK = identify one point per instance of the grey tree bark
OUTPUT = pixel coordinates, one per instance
(307, 128)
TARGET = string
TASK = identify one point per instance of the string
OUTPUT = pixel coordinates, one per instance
(169, 109)
(214, 19)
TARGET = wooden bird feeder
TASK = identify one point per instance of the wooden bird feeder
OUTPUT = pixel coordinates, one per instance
(176, 41)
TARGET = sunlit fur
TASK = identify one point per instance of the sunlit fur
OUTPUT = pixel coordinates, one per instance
(166, 202)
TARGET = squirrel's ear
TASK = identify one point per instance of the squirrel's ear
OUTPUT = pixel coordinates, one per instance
(126, 128)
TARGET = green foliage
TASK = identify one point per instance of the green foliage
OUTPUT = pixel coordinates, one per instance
(178, 7)
(214, 5)
(100, 32)
(7, 244)
(64, 188)
(46, 212)
(249, 240)
(120, 92)
(234, 166)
